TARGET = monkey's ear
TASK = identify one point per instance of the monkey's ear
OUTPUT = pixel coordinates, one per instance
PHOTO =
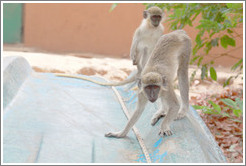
(139, 83)
(164, 83)
(145, 14)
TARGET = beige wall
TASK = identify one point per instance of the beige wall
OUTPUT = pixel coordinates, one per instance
(91, 28)
(81, 27)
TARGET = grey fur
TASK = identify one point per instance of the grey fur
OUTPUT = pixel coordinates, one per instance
(169, 58)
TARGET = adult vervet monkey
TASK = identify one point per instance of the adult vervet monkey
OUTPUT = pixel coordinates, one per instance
(169, 58)
(144, 40)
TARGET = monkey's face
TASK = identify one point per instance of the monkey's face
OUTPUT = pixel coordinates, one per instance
(152, 84)
(152, 92)
(155, 20)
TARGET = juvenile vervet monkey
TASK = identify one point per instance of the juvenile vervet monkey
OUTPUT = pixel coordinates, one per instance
(146, 36)
(170, 57)
(144, 40)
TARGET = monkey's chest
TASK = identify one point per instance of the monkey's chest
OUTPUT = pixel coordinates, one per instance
(149, 41)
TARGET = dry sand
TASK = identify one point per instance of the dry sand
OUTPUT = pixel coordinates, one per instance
(115, 69)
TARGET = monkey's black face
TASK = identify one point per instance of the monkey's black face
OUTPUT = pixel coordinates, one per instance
(152, 92)
(155, 20)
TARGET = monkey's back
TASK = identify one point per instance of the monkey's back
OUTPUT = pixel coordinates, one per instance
(168, 46)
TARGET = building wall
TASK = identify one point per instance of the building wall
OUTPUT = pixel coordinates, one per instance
(81, 27)
(91, 28)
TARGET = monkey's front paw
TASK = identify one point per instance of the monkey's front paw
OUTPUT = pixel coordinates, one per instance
(165, 133)
(182, 112)
(115, 134)
(157, 117)
(181, 115)
(134, 62)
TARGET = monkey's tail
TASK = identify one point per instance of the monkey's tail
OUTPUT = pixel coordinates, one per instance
(126, 81)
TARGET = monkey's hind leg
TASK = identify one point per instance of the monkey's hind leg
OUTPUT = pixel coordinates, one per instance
(138, 112)
(183, 80)
(160, 113)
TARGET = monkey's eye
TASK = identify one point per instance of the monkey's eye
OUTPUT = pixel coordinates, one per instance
(156, 16)
(155, 86)
(148, 87)
(152, 87)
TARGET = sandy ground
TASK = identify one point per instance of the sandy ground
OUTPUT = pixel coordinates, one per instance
(115, 69)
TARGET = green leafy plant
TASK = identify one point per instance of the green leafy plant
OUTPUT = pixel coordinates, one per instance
(236, 106)
(215, 109)
(215, 28)
(114, 5)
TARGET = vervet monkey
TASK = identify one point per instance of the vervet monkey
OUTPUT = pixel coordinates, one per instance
(144, 40)
(169, 58)
(146, 36)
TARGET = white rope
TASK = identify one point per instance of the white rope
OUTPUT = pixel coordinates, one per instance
(135, 130)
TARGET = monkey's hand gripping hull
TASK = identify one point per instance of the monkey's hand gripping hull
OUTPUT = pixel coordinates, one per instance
(49, 119)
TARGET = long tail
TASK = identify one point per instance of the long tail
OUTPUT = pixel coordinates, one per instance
(126, 81)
